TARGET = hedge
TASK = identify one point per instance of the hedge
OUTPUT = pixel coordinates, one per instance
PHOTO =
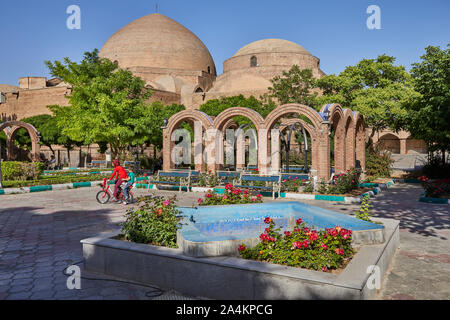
(15, 170)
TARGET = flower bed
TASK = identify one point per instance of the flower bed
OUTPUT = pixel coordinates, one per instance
(323, 250)
(154, 222)
(232, 195)
(438, 188)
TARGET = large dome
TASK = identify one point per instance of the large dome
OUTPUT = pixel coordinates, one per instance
(157, 41)
(271, 46)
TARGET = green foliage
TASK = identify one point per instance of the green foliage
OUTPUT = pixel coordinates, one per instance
(309, 187)
(107, 104)
(154, 222)
(58, 179)
(378, 163)
(375, 87)
(14, 170)
(208, 179)
(305, 248)
(429, 115)
(232, 196)
(215, 106)
(364, 211)
(435, 169)
(294, 86)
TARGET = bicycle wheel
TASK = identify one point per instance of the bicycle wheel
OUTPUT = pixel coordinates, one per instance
(103, 197)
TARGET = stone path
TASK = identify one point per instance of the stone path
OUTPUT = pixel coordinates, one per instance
(40, 234)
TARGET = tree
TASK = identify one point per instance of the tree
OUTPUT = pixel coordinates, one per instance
(294, 86)
(215, 106)
(375, 87)
(429, 115)
(107, 104)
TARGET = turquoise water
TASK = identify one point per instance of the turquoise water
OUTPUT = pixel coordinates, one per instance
(216, 223)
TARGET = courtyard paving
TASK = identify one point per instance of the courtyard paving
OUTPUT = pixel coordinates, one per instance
(40, 236)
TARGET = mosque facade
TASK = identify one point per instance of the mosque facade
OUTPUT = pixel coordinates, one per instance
(175, 63)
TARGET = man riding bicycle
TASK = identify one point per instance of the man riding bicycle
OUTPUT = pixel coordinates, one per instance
(119, 174)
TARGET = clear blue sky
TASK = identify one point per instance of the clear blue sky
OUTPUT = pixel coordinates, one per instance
(334, 31)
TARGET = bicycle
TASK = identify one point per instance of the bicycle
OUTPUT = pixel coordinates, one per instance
(105, 194)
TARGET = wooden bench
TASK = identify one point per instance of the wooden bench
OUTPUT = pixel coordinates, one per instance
(184, 176)
(274, 181)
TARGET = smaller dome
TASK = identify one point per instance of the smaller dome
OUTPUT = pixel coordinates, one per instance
(271, 45)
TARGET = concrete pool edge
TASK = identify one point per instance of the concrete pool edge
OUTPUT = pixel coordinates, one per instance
(236, 278)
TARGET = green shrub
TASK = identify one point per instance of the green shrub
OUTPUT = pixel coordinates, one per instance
(378, 163)
(303, 247)
(154, 222)
(15, 170)
(363, 213)
(434, 169)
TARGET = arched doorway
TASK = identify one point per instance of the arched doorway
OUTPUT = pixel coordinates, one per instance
(390, 142)
(11, 128)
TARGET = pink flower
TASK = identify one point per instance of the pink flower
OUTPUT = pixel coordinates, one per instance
(324, 269)
(339, 251)
(199, 200)
(166, 203)
(225, 197)
(324, 246)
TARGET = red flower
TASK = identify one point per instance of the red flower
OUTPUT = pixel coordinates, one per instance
(313, 236)
(324, 269)
(296, 230)
(324, 246)
(287, 233)
(159, 211)
(268, 220)
(299, 221)
(339, 251)
(199, 200)
(225, 197)
(241, 247)
(228, 186)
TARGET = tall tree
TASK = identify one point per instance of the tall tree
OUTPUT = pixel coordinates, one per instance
(294, 86)
(375, 87)
(107, 104)
(429, 115)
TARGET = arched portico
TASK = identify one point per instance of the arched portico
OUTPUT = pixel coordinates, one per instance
(349, 125)
(317, 129)
(11, 128)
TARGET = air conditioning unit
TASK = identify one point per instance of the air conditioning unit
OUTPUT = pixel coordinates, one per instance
(2, 98)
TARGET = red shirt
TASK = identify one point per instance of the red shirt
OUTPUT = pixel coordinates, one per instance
(120, 171)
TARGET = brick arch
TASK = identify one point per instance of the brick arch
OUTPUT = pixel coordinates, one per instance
(173, 123)
(286, 109)
(15, 126)
(360, 139)
(229, 113)
(337, 122)
(319, 130)
(350, 139)
(312, 133)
